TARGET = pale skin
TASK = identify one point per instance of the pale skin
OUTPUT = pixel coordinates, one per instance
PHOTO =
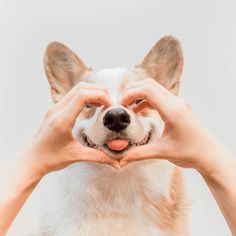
(52, 148)
(185, 142)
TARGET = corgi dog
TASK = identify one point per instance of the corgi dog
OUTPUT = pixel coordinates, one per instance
(145, 198)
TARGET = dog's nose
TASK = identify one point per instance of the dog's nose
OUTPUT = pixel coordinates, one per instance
(116, 119)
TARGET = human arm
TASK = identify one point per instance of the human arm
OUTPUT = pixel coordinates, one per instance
(51, 149)
(185, 142)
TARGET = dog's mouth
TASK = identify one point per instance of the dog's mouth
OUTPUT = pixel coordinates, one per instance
(116, 146)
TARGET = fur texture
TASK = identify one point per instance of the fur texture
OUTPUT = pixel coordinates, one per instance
(144, 198)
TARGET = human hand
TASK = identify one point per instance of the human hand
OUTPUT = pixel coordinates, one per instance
(54, 146)
(185, 141)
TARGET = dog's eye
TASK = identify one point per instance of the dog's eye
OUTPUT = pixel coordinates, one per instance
(89, 106)
(138, 101)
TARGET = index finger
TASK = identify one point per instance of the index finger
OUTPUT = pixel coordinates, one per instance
(155, 94)
(97, 156)
(76, 105)
(155, 99)
(82, 85)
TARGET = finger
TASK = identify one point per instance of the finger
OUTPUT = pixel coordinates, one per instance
(148, 85)
(132, 85)
(95, 104)
(157, 100)
(143, 105)
(143, 83)
(94, 155)
(101, 158)
(144, 152)
(76, 105)
(82, 85)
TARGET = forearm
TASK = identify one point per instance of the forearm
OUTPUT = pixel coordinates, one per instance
(222, 183)
(17, 181)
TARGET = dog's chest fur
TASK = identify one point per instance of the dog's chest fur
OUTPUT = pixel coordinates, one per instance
(94, 200)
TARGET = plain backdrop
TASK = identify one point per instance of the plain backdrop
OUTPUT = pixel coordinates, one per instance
(112, 33)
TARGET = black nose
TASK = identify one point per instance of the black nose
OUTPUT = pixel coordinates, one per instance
(116, 119)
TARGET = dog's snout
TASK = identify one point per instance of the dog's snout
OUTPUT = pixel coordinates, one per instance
(116, 119)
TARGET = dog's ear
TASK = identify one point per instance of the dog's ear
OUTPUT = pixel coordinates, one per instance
(64, 69)
(164, 63)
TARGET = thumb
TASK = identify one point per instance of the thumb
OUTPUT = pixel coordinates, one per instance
(144, 152)
(87, 154)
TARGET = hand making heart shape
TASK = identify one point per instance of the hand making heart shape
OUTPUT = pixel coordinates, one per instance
(185, 141)
(54, 147)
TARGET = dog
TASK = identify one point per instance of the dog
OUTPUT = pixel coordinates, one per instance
(143, 198)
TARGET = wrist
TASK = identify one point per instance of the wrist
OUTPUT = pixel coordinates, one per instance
(217, 163)
(19, 178)
(26, 161)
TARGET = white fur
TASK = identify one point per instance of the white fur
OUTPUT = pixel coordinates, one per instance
(97, 200)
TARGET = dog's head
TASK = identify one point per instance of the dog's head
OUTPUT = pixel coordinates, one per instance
(116, 129)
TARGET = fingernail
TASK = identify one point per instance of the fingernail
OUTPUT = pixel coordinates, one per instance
(117, 165)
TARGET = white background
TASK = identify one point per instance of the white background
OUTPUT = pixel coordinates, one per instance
(112, 33)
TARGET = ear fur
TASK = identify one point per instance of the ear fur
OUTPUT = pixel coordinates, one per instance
(164, 63)
(64, 69)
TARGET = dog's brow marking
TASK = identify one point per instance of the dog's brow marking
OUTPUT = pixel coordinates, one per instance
(129, 77)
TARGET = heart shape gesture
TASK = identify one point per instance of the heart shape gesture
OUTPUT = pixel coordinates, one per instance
(185, 141)
(54, 146)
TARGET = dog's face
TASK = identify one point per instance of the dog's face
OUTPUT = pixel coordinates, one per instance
(116, 129)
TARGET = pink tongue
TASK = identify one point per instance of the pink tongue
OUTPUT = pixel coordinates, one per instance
(118, 144)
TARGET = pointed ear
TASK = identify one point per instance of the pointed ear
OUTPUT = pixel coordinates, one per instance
(164, 63)
(64, 69)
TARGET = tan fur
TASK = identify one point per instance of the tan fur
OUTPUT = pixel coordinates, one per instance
(172, 210)
(164, 63)
(136, 75)
(64, 69)
(129, 78)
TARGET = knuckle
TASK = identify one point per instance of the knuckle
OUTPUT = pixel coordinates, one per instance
(151, 81)
(56, 123)
(88, 96)
(50, 112)
(149, 84)
(82, 85)
(177, 112)
(129, 85)
(100, 94)
(184, 105)
(135, 156)
(81, 93)
(180, 110)
(129, 95)
(103, 96)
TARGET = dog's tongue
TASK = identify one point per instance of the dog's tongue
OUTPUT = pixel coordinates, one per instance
(118, 144)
